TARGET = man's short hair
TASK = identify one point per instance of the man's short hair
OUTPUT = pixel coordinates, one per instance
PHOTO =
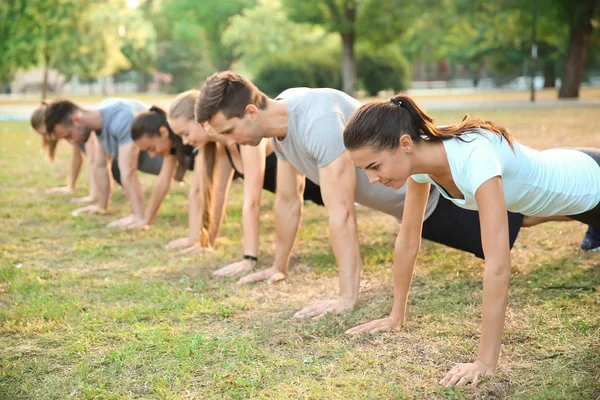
(229, 93)
(59, 112)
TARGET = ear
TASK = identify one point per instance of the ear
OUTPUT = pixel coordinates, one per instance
(406, 144)
(76, 117)
(252, 111)
(164, 132)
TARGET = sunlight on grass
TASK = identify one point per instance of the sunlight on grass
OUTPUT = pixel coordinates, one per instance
(87, 312)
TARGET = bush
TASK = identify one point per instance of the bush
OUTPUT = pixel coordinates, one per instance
(296, 70)
(384, 69)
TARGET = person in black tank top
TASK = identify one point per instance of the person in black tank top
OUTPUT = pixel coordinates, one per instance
(163, 154)
(312, 191)
(257, 166)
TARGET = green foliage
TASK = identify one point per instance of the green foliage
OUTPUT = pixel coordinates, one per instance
(298, 70)
(383, 69)
(269, 40)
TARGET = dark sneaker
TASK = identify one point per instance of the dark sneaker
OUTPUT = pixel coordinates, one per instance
(591, 240)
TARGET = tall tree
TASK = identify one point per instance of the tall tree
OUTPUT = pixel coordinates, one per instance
(374, 20)
(579, 14)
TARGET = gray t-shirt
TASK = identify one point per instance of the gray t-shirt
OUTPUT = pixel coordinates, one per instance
(116, 123)
(316, 120)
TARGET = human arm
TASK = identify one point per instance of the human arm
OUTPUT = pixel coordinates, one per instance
(338, 185)
(496, 281)
(288, 211)
(76, 161)
(253, 159)
(200, 190)
(101, 176)
(128, 162)
(406, 249)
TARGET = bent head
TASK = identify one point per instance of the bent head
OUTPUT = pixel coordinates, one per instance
(150, 132)
(49, 142)
(382, 136)
(231, 105)
(63, 119)
(182, 122)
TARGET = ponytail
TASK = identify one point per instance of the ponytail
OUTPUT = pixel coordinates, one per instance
(380, 125)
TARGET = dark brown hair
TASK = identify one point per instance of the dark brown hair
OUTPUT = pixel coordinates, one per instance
(49, 142)
(380, 124)
(227, 92)
(59, 112)
(148, 123)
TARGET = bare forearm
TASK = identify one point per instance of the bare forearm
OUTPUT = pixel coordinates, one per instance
(251, 226)
(160, 190)
(194, 213)
(404, 264)
(218, 208)
(287, 221)
(103, 187)
(344, 241)
(76, 162)
(496, 281)
(135, 193)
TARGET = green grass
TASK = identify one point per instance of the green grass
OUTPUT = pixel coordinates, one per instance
(91, 313)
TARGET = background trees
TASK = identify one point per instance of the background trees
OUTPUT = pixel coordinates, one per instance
(352, 44)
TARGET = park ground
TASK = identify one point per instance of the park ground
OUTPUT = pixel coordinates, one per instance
(92, 313)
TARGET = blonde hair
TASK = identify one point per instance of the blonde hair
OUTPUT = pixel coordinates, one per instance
(49, 141)
(183, 105)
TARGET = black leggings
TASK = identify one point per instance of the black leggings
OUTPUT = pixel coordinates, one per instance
(591, 217)
(147, 164)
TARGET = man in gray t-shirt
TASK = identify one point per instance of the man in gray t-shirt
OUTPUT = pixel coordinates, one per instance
(306, 128)
(112, 124)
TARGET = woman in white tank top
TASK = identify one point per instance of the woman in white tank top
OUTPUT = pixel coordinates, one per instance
(477, 165)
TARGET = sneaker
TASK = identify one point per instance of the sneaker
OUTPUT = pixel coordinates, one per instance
(591, 240)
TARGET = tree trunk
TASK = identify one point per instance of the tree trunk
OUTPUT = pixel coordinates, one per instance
(348, 64)
(549, 74)
(580, 30)
(46, 71)
(348, 40)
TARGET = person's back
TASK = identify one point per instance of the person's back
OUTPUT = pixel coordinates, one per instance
(534, 182)
(308, 146)
(117, 116)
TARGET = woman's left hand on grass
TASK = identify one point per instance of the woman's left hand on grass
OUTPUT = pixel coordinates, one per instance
(83, 200)
(122, 222)
(463, 373)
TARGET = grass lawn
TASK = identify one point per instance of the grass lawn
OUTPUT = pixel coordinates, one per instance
(87, 312)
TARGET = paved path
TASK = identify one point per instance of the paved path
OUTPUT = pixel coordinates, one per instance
(22, 112)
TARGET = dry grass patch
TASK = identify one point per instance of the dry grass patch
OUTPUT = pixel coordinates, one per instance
(86, 312)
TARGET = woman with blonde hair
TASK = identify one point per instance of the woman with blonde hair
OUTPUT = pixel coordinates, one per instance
(217, 165)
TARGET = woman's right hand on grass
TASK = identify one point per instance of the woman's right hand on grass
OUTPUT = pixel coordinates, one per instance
(62, 189)
(95, 209)
(271, 275)
(376, 326)
(180, 243)
(235, 268)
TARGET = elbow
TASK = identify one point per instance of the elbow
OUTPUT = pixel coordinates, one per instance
(251, 206)
(290, 206)
(340, 216)
(407, 248)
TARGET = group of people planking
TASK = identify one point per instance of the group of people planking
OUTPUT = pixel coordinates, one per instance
(469, 186)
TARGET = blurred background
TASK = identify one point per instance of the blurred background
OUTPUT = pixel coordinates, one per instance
(67, 48)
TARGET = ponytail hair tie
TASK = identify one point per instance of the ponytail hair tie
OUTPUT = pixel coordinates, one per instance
(396, 102)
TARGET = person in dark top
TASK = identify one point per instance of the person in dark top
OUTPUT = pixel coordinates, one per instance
(150, 132)
(220, 163)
